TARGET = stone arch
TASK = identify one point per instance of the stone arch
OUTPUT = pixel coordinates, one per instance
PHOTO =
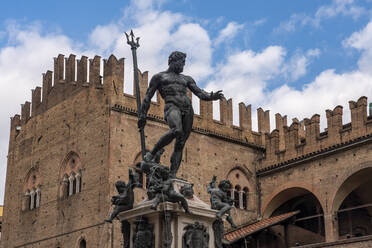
(349, 182)
(137, 158)
(242, 178)
(31, 192)
(351, 202)
(31, 179)
(244, 171)
(70, 163)
(70, 175)
(81, 241)
(285, 193)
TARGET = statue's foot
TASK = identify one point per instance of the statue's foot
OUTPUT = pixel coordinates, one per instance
(148, 157)
(233, 226)
(172, 175)
(218, 216)
(108, 220)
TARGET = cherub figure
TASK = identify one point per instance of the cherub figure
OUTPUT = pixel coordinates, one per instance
(125, 199)
(160, 187)
(220, 199)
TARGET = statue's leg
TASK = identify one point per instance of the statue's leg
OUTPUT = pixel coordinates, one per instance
(230, 220)
(176, 158)
(174, 120)
(226, 207)
(113, 214)
(177, 197)
(156, 202)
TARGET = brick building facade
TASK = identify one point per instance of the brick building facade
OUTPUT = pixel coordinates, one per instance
(79, 136)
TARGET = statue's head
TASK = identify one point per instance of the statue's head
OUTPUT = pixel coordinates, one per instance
(176, 61)
(120, 186)
(187, 191)
(224, 185)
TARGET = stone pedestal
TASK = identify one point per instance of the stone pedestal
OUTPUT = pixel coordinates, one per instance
(168, 222)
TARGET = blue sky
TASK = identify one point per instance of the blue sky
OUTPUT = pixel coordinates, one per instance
(296, 58)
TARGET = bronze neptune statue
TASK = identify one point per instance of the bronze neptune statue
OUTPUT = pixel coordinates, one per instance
(178, 111)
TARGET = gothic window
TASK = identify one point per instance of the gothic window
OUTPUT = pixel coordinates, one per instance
(71, 179)
(239, 179)
(32, 191)
(83, 244)
(237, 196)
(245, 198)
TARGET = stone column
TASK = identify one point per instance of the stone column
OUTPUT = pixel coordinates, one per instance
(331, 227)
(71, 189)
(241, 199)
(77, 178)
(38, 194)
(32, 199)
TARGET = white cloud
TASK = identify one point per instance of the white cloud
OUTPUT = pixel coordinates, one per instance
(228, 33)
(338, 7)
(362, 41)
(297, 65)
(244, 75)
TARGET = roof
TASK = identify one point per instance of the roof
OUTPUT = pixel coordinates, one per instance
(246, 230)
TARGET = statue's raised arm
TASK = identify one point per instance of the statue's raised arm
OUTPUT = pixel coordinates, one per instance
(212, 184)
(203, 95)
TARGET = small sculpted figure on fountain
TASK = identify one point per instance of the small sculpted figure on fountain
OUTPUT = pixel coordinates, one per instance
(125, 199)
(160, 187)
(220, 199)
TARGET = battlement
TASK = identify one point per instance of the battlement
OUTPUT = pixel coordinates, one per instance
(302, 138)
(72, 75)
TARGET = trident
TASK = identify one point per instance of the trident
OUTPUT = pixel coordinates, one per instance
(133, 42)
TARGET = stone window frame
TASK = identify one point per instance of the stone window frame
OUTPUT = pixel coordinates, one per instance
(31, 198)
(239, 192)
(71, 179)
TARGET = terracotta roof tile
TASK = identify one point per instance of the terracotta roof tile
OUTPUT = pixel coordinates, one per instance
(257, 226)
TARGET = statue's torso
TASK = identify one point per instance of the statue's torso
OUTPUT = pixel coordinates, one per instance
(218, 196)
(173, 89)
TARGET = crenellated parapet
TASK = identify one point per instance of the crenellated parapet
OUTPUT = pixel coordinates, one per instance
(284, 143)
(69, 77)
(72, 75)
(303, 139)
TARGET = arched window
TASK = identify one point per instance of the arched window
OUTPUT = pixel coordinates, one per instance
(32, 195)
(83, 244)
(71, 175)
(240, 179)
(245, 197)
(237, 196)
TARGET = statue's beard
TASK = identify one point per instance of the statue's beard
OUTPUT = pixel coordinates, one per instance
(176, 67)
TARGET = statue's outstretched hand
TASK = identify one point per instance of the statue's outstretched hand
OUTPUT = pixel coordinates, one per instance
(217, 95)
